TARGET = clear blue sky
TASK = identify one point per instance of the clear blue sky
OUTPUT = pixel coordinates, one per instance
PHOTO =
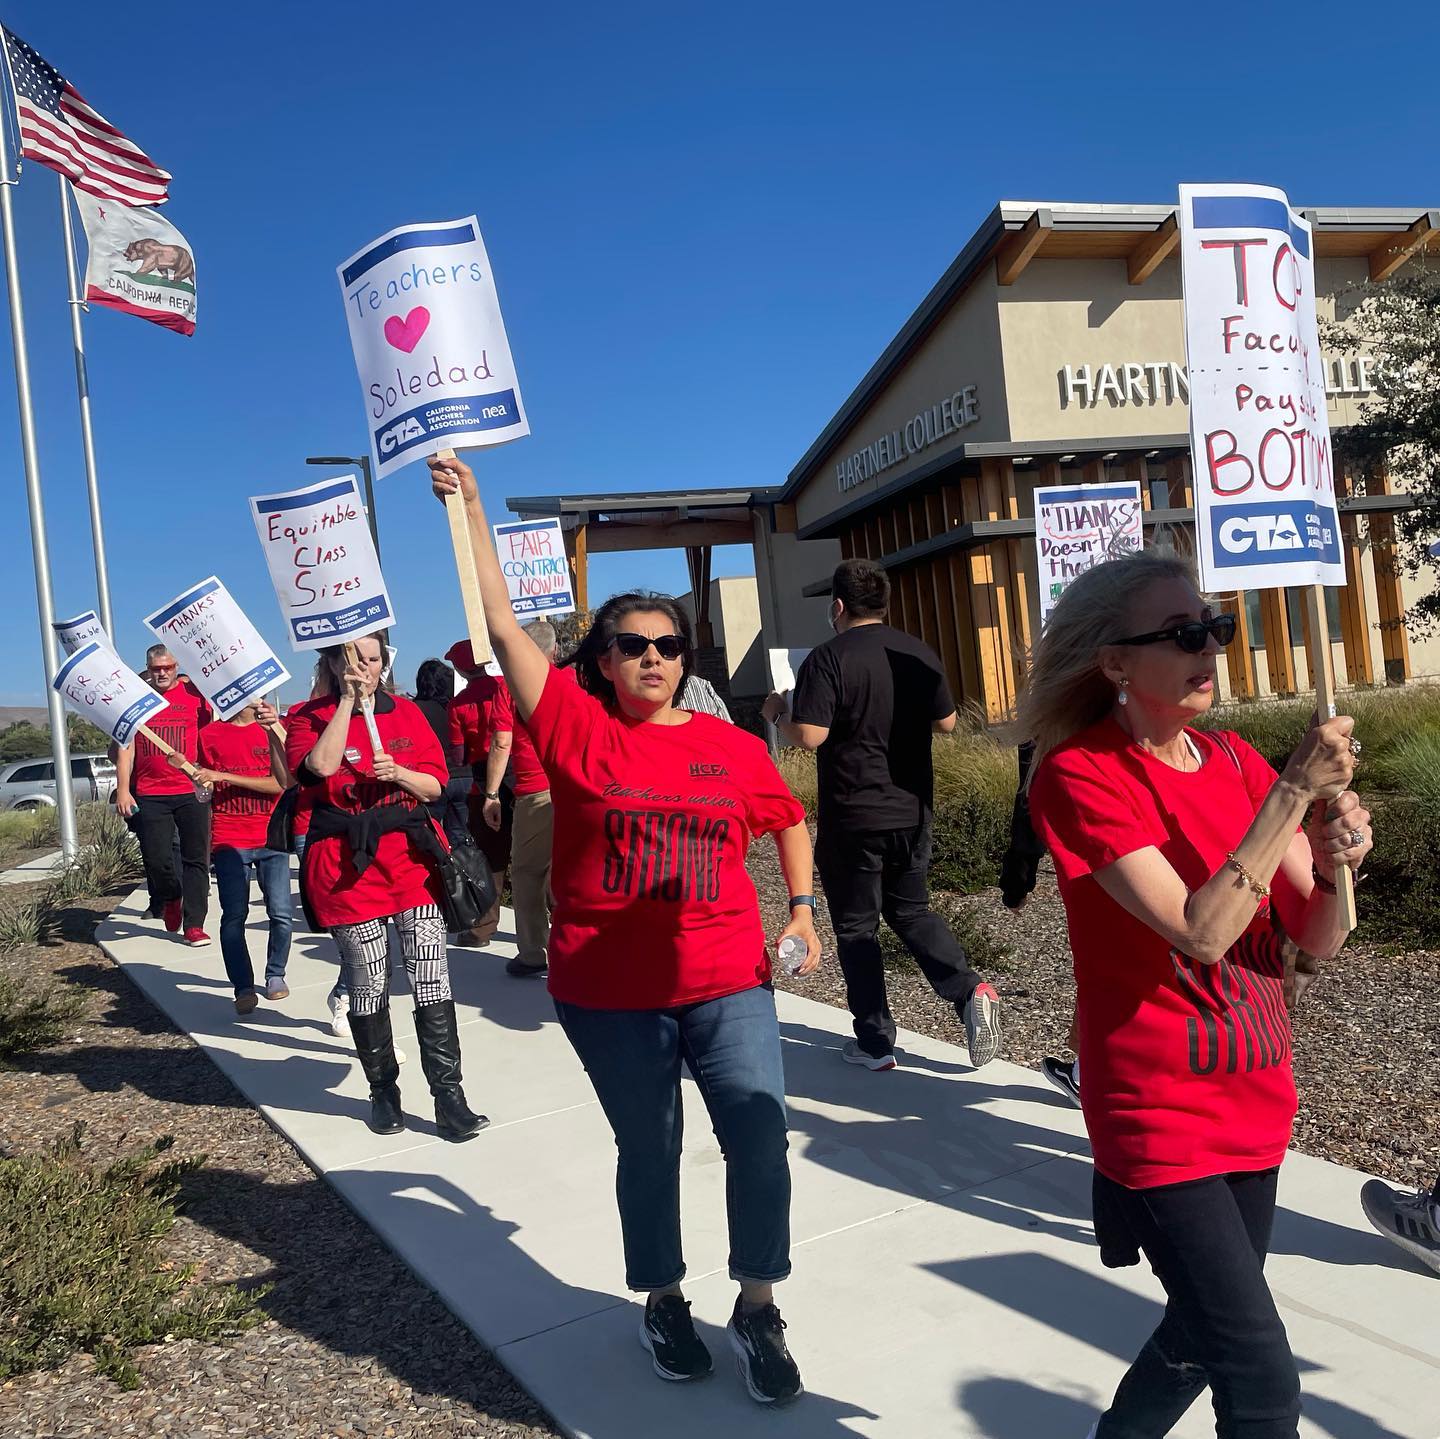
(706, 221)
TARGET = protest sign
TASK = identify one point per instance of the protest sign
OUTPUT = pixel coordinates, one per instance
(75, 634)
(322, 563)
(217, 646)
(101, 687)
(1078, 526)
(139, 263)
(783, 667)
(1265, 508)
(536, 568)
(430, 344)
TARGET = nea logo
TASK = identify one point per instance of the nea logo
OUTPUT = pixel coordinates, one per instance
(408, 429)
(1263, 532)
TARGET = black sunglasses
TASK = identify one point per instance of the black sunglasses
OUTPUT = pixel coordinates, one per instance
(632, 646)
(1191, 636)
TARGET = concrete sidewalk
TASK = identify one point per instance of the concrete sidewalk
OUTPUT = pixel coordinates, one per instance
(946, 1277)
(34, 870)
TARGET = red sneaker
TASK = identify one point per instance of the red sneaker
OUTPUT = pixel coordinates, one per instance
(171, 914)
(196, 938)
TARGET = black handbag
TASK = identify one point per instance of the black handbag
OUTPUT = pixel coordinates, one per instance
(280, 832)
(467, 887)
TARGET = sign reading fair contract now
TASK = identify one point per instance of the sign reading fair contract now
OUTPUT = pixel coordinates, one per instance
(100, 686)
(217, 646)
(536, 568)
(430, 343)
(322, 563)
(1265, 508)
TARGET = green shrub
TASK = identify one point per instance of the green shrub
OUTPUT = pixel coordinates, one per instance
(975, 779)
(1399, 895)
(35, 1018)
(1414, 767)
(27, 921)
(82, 1270)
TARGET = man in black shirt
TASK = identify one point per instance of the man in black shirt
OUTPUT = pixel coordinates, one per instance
(868, 701)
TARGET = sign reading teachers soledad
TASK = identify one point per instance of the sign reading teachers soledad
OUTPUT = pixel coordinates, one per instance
(217, 646)
(99, 685)
(322, 563)
(77, 633)
(536, 568)
(1265, 509)
(1078, 526)
(430, 343)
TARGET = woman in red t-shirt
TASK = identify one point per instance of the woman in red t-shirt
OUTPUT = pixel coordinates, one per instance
(657, 950)
(369, 862)
(1188, 885)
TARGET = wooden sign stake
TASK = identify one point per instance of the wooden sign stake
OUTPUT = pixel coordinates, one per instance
(1323, 669)
(367, 705)
(465, 567)
(186, 768)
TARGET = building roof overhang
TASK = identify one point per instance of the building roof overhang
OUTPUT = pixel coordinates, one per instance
(653, 519)
(1017, 231)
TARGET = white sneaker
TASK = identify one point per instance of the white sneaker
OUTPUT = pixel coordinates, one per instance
(339, 1013)
(853, 1054)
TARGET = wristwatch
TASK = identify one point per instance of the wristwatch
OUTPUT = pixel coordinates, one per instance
(492, 794)
(796, 900)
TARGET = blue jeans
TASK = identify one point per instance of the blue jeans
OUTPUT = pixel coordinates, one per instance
(232, 879)
(732, 1048)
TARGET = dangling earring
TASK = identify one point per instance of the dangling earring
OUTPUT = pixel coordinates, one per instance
(1122, 697)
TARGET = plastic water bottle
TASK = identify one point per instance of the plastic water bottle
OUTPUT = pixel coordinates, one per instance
(791, 954)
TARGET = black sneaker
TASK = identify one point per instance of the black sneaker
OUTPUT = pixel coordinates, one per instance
(677, 1351)
(1061, 1074)
(758, 1339)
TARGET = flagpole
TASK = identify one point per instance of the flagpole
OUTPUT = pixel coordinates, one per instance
(59, 736)
(87, 435)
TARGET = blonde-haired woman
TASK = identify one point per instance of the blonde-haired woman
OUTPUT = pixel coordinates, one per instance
(1186, 880)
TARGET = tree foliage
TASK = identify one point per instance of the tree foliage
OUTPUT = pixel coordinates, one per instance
(1398, 323)
(23, 740)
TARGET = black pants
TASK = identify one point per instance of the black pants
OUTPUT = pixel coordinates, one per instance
(1206, 1242)
(162, 817)
(886, 873)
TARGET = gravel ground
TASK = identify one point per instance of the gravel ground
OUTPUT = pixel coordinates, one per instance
(353, 1345)
(1367, 1036)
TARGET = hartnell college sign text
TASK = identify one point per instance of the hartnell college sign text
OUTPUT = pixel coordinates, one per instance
(1166, 383)
(951, 414)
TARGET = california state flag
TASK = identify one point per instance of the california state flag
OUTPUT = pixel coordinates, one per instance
(139, 263)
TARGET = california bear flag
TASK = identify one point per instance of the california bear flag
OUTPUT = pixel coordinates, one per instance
(139, 263)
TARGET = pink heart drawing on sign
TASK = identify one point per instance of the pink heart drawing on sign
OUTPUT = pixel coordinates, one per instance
(405, 334)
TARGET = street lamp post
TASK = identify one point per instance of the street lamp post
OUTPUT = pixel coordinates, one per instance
(364, 462)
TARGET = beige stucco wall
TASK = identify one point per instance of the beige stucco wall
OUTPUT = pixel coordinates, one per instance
(784, 566)
(963, 349)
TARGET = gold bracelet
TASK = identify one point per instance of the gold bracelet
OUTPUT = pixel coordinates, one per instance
(1261, 891)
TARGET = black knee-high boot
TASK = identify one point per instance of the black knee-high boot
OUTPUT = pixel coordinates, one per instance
(440, 1059)
(376, 1048)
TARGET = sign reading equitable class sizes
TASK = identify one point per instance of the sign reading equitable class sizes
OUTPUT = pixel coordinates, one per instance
(430, 345)
(536, 568)
(99, 685)
(217, 647)
(322, 562)
(1265, 507)
(75, 634)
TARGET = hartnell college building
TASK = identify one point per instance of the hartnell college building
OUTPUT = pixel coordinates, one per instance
(1051, 352)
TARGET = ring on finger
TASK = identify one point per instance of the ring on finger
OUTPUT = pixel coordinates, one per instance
(1355, 838)
(1355, 748)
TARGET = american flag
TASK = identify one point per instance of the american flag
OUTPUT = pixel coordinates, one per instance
(60, 130)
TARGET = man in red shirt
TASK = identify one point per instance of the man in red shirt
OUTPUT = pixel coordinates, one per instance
(533, 821)
(473, 732)
(236, 759)
(160, 794)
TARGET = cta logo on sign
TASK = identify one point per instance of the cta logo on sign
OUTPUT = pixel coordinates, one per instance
(1275, 534)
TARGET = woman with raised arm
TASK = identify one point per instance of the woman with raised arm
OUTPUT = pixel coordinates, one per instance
(657, 950)
(370, 862)
(1191, 878)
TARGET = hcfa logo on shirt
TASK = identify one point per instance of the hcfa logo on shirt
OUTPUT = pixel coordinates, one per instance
(1275, 534)
(709, 771)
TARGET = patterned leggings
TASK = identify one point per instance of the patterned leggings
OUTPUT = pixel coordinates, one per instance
(365, 953)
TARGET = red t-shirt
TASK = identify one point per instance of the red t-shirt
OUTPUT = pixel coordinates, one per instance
(472, 714)
(1185, 1066)
(398, 877)
(527, 773)
(178, 724)
(239, 817)
(653, 903)
(304, 793)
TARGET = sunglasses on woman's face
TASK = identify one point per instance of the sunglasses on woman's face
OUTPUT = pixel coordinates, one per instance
(1192, 636)
(632, 646)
